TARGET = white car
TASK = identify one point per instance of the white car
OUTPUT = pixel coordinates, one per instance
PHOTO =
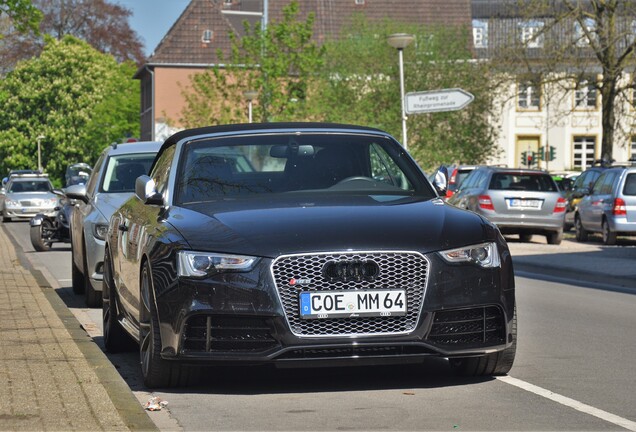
(27, 195)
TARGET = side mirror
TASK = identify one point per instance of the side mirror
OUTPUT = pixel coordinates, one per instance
(77, 192)
(441, 180)
(146, 191)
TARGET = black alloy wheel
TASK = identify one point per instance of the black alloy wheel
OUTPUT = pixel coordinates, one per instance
(156, 371)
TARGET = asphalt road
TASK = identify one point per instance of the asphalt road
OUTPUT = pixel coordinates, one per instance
(573, 371)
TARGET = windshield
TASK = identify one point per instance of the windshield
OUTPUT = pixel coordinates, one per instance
(522, 182)
(122, 171)
(31, 186)
(233, 167)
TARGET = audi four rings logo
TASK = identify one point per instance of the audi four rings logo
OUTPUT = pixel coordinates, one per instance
(346, 271)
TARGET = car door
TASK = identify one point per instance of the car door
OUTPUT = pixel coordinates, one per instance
(592, 206)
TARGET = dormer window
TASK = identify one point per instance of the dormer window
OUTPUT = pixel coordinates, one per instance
(207, 36)
(531, 34)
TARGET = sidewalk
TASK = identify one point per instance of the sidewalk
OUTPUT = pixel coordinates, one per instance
(587, 262)
(52, 375)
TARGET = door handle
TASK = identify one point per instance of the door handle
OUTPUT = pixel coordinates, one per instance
(122, 227)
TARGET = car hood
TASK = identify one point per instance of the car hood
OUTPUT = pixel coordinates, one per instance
(322, 224)
(107, 203)
(19, 196)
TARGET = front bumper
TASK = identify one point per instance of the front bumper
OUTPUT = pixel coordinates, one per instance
(239, 318)
(27, 212)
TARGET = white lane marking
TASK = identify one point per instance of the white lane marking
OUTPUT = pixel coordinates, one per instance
(563, 400)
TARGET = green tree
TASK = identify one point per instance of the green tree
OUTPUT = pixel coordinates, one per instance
(23, 14)
(77, 98)
(360, 85)
(278, 62)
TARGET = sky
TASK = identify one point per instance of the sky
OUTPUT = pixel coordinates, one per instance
(152, 19)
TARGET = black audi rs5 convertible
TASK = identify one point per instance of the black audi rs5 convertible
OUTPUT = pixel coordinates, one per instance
(301, 244)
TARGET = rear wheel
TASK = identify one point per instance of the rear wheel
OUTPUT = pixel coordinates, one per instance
(555, 238)
(41, 235)
(609, 237)
(156, 371)
(581, 233)
(115, 338)
(498, 363)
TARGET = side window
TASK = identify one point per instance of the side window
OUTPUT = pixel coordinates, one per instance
(97, 172)
(161, 171)
(580, 181)
(470, 180)
(630, 185)
(591, 179)
(606, 188)
(480, 182)
(598, 186)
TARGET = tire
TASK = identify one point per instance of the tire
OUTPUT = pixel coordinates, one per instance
(38, 233)
(498, 363)
(77, 278)
(156, 372)
(581, 233)
(555, 238)
(6, 219)
(115, 337)
(93, 298)
(609, 237)
(525, 237)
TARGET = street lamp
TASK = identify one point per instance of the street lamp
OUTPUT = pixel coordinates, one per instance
(400, 41)
(250, 95)
(40, 138)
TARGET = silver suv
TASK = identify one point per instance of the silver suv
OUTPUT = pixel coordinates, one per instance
(610, 208)
(111, 183)
(518, 201)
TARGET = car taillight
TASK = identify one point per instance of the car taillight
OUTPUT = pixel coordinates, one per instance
(485, 202)
(449, 193)
(619, 207)
(560, 205)
(453, 177)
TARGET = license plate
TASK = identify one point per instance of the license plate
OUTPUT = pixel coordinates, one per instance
(352, 304)
(518, 203)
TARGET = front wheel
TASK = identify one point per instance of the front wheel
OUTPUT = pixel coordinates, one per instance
(498, 363)
(156, 371)
(41, 235)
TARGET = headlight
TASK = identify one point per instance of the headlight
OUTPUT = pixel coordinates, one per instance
(202, 264)
(484, 255)
(100, 231)
(51, 202)
(11, 203)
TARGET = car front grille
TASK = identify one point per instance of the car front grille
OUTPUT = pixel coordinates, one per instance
(397, 270)
(472, 327)
(208, 333)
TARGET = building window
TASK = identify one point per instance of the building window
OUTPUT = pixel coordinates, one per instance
(480, 34)
(584, 151)
(359, 2)
(531, 34)
(585, 95)
(632, 149)
(580, 36)
(207, 36)
(529, 95)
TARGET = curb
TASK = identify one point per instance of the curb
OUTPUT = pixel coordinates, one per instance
(128, 407)
(577, 276)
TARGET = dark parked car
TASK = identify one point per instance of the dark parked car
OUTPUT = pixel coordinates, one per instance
(329, 247)
(519, 201)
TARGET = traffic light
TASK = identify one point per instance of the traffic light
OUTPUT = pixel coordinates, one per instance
(552, 155)
(540, 155)
(524, 158)
(530, 159)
